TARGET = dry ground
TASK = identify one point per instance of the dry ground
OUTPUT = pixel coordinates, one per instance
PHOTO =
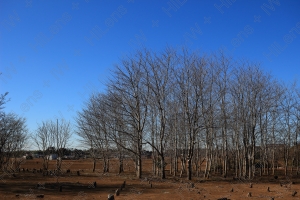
(76, 187)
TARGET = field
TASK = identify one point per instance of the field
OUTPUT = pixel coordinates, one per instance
(28, 185)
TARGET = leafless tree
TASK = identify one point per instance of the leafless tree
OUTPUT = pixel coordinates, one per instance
(43, 139)
(93, 129)
(128, 90)
(53, 134)
(159, 70)
(191, 80)
(13, 137)
(289, 126)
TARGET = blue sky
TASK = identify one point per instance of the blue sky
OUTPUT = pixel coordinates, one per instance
(53, 54)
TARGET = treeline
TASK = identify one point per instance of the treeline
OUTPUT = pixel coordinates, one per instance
(13, 136)
(191, 108)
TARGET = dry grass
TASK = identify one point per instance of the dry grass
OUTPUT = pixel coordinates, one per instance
(27, 185)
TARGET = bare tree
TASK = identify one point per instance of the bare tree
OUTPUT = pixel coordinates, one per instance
(191, 80)
(159, 71)
(43, 139)
(289, 125)
(62, 132)
(84, 132)
(128, 90)
(13, 137)
(53, 134)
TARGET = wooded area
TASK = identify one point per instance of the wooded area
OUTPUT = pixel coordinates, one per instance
(194, 107)
(189, 107)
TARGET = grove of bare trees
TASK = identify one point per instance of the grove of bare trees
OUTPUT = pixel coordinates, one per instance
(194, 108)
(52, 137)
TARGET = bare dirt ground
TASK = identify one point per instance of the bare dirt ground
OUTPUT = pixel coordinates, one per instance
(27, 185)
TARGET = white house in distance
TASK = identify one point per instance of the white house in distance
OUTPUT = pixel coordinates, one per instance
(52, 156)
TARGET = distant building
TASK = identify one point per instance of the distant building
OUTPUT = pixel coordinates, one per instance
(52, 156)
(27, 156)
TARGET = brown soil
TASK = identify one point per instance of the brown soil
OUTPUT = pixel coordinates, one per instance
(23, 185)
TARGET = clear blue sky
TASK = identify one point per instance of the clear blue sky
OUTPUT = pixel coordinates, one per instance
(53, 54)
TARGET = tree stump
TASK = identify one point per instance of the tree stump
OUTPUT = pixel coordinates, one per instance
(110, 197)
(231, 190)
(123, 185)
(251, 185)
(117, 193)
(38, 186)
(40, 196)
(249, 194)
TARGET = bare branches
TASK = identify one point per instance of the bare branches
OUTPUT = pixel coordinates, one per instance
(52, 135)
(195, 107)
(13, 135)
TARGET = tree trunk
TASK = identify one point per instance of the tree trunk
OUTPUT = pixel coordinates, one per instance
(94, 165)
(190, 170)
(121, 166)
(162, 167)
(139, 167)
